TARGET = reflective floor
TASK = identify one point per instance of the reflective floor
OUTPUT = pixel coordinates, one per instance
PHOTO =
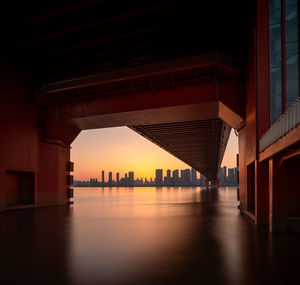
(144, 236)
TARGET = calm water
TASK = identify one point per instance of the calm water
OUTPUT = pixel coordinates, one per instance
(144, 236)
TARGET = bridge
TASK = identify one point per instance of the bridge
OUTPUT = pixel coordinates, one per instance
(178, 73)
(179, 105)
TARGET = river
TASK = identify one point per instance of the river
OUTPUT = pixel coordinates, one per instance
(144, 236)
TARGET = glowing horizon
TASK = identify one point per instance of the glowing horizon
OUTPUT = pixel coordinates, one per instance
(120, 149)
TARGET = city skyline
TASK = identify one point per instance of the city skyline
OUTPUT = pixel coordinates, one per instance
(177, 177)
(119, 149)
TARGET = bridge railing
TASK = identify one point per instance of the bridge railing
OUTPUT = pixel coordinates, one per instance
(288, 121)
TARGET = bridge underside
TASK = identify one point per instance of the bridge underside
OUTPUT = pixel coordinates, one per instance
(200, 144)
(167, 69)
(178, 80)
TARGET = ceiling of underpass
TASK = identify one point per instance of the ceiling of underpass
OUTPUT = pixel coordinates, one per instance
(62, 39)
(59, 42)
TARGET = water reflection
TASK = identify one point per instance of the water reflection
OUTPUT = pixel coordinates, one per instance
(143, 236)
(34, 246)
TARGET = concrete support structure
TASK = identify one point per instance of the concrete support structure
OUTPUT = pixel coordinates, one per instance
(51, 90)
(32, 171)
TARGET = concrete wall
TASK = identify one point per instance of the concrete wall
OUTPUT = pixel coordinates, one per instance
(21, 146)
(257, 116)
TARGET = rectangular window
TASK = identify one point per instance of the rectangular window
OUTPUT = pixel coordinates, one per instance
(284, 56)
(275, 60)
(291, 35)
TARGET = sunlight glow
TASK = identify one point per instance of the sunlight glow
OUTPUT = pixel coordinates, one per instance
(121, 150)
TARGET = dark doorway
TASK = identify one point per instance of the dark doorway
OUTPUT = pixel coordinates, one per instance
(19, 188)
(293, 167)
(251, 187)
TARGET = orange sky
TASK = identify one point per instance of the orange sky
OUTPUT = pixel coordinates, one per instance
(121, 150)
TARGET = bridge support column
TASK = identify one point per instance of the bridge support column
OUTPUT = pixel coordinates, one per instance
(53, 176)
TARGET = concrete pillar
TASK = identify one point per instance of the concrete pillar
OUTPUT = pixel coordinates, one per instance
(53, 174)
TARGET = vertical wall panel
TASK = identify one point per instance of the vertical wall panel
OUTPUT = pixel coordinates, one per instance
(263, 74)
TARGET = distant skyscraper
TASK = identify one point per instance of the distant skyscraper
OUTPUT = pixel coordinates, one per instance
(186, 178)
(231, 176)
(103, 177)
(110, 178)
(126, 180)
(168, 180)
(194, 177)
(158, 177)
(235, 175)
(225, 175)
(131, 178)
(93, 181)
(118, 178)
(181, 176)
(175, 175)
(222, 175)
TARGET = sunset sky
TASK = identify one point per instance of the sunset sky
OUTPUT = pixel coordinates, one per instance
(121, 150)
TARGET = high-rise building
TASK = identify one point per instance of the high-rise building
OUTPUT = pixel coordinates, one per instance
(110, 178)
(194, 177)
(181, 176)
(103, 182)
(126, 180)
(118, 178)
(93, 181)
(168, 178)
(158, 177)
(223, 176)
(235, 176)
(175, 175)
(186, 178)
(131, 178)
(230, 176)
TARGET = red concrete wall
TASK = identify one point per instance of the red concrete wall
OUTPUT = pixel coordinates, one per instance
(52, 175)
(21, 149)
(263, 71)
(250, 127)
(11, 185)
(247, 136)
(19, 128)
(257, 114)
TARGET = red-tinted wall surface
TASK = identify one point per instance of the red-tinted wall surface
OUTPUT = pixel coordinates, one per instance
(52, 164)
(247, 135)
(257, 118)
(23, 156)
